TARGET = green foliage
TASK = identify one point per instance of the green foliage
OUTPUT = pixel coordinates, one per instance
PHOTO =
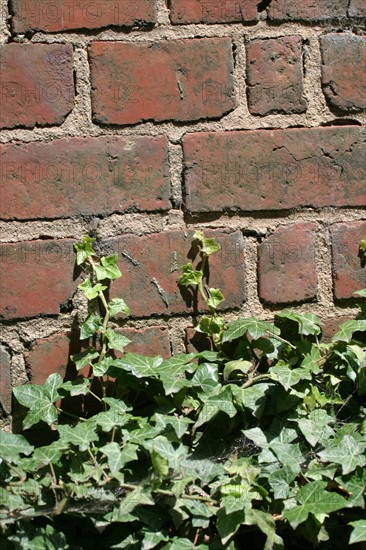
(258, 444)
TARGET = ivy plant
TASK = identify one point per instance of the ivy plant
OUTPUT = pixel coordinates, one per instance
(259, 443)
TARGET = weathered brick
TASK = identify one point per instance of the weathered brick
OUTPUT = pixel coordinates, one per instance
(81, 176)
(165, 80)
(36, 277)
(37, 86)
(151, 269)
(286, 265)
(196, 341)
(5, 380)
(349, 266)
(213, 11)
(344, 71)
(274, 169)
(52, 354)
(307, 10)
(62, 15)
(274, 73)
(357, 8)
(150, 341)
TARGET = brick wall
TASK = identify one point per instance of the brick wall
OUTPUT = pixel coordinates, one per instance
(144, 120)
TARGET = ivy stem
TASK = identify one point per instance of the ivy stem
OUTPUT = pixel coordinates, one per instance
(71, 415)
(256, 379)
(54, 477)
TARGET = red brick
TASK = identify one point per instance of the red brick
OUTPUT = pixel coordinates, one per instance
(196, 341)
(36, 277)
(5, 381)
(349, 267)
(274, 169)
(344, 71)
(274, 72)
(213, 11)
(49, 355)
(150, 341)
(62, 15)
(151, 269)
(307, 10)
(37, 86)
(357, 8)
(82, 176)
(286, 265)
(165, 80)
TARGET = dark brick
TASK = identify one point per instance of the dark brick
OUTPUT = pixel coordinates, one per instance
(286, 265)
(349, 265)
(79, 176)
(274, 72)
(36, 277)
(213, 11)
(165, 80)
(150, 341)
(63, 15)
(151, 269)
(344, 71)
(37, 86)
(5, 380)
(307, 10)
(274, 169)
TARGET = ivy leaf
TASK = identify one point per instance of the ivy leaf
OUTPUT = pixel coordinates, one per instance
(116, 340)
(266, 524)
(363, 245)
(359, 527)
(217, 403)
(236, 366)
(160, 464)
(109, 419)
(189, 276)
(179, 425)
(91, 291)
(12, 445)
(289, 377)
(82, 435)
(206, 377)
(350, 453)
(118, 457)
(49, 453)
(308, 323)
(346, 330)
(165, 448)
(91, 325)
(280, 481)
(210, 325)
(253, 327)
(41, 411)
(102, 367)
(139, 365)
(79, 386)
(228, 524)
(27, 394)
(316, 500)
(108, 268)
(51, 387)
(118, 305)
(316, 426)
(84, 250)
(361, 293)
(84, 358)
(215, 299)
(208, 245)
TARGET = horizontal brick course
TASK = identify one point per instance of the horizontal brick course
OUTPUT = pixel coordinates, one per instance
(307, 10)
(213, 11)
(165, 80)
(274, 169)
(79, 176)
(37, 84)
(63, 15)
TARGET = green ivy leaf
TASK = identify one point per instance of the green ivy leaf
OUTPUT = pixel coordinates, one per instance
(91, 325)
(349, 453)
(316, 500)
(108, 268)
(27, 394)
(118, 305)
(189, 276)
(316, 427)
(222, 402)
(210, 325)
(228, 524)
(12, 445)
(51, 387)
(308, 323)
(84, 358)
(363, 245)
(81, 435)
(359, 527)
(236, 366)
(91, 291)
(266, 524)
(215, 299)
(116, 340)
(49, 453)
(289, 377)
(84, 250)
(118, 457)
(41, 411)
(256, 329)
(347, 329)
(208, 245)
